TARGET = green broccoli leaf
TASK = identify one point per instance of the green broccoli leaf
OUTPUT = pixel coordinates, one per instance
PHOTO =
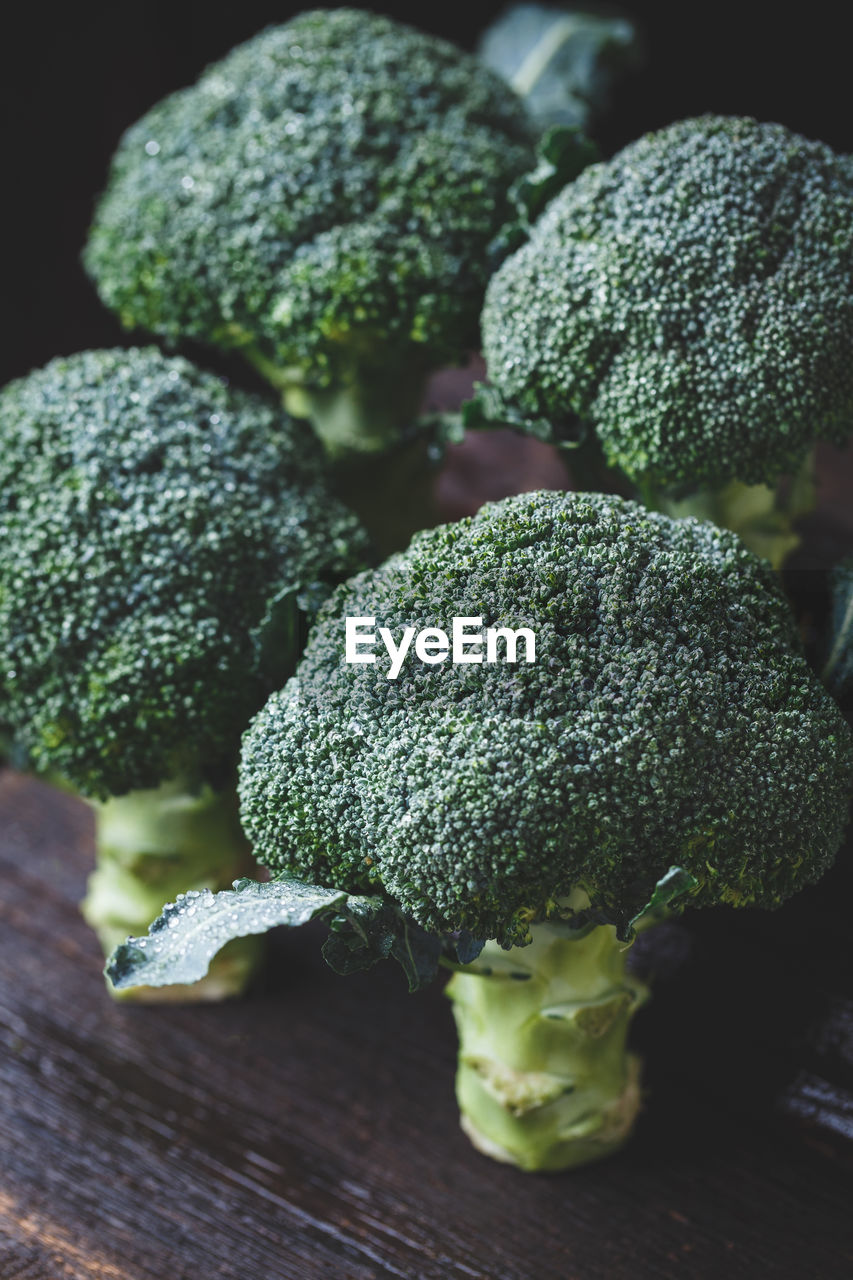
(466, 946)
(189, 932)
(562, 154)
(837, 673)
(372, 929)
(277, 633)
(417, 951)
(562, 62)
(487, 409)
(360, 936)
(671, 886)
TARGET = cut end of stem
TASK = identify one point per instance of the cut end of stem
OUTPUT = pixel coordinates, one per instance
(545, 1080)
(581, 1142)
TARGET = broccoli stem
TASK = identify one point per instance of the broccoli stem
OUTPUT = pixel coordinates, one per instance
(365, 422)
(152, 846)
(358, 417)
(391, 493)
(544, 1078)
(365, 411)
(762, 517)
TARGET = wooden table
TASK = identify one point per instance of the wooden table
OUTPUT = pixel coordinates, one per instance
(310, 1130)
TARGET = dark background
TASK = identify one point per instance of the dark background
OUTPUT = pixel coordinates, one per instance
(75, 77)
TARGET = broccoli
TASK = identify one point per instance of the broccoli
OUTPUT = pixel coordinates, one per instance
(692, 298)
(160, 537)
(837, 668)
(667, 744)
(322, 199)
(560, 59)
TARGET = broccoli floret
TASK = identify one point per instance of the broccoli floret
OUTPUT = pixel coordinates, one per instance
(692, 298)
(323, 199)
(160, 539)
(669, 718)
(668, 743)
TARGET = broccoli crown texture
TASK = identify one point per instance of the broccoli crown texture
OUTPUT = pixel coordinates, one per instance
(325, 192)
(669, 719)
(693, 298)
(155, 529)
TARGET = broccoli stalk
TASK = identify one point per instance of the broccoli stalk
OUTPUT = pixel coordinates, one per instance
(380, 462)
(151, 846)
(763, 517)
(365, 416)
(163, 541)
(366, 411)
(545, 1080)
(666, 744)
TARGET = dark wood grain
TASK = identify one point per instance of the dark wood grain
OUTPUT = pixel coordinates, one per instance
(310, 1130)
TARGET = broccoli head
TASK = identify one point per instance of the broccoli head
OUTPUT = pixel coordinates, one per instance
(667, 744)
(692, 298)
(669, 718)
(669, 738)
(160, 538)
(322, 198)
(157, 531)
